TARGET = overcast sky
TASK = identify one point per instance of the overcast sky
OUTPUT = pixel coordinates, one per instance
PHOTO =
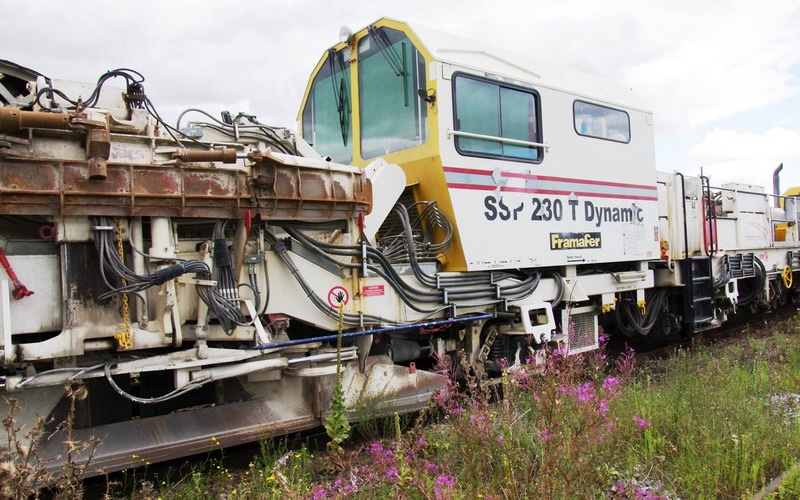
(722, 77)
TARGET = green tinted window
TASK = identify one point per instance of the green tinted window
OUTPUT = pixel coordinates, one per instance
(391, 71)
(326, 118)
(500, 112)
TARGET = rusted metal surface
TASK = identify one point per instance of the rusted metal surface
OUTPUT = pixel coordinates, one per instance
(227, 155)
(98, 149)
(156, 439)
(50, 176)
(136, 442)
(34, 186)
(12, 119)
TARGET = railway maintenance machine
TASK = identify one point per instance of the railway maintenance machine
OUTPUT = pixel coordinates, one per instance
(441, 197)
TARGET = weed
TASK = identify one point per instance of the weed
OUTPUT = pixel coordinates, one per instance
(336, 424)
(23, 471)
(716, 422)
(790, 486)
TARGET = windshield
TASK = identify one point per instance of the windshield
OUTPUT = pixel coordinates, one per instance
(391, 72)
(326, 116)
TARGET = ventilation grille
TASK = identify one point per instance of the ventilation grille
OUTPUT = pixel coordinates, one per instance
(581, 328)
(740, 265)
(794, 259)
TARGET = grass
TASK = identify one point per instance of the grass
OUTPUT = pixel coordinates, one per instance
(719, 422)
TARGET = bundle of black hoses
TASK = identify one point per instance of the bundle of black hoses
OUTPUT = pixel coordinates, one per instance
(223, 305)
(758, 290)
(631, 321)
(473, 290)
(253, 130)
(135, 98)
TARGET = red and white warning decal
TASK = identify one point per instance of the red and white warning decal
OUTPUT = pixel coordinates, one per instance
(338, 296)
(372, 291)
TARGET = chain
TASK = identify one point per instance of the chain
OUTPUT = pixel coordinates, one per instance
(483, 354)
(123, 338)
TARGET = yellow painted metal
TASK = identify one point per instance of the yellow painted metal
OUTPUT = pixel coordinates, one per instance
(781, 228)
(787, 276)
(422, 164)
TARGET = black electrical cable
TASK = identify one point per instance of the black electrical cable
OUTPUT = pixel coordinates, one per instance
(412, 296)
(131, 76)
(632, 322)
(221, 301)
(524, 288)
(134, 80)
(267, 134)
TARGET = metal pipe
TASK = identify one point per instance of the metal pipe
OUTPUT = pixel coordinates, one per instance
(227, 155)
(321, 358)
(160, 238)
(236, 370)
(12, 119)
(400, 328)
(683, 203)
(137, 241)
(776, 185)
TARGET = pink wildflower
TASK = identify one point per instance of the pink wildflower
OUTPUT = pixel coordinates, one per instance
(446, 481)
(392, 473)
(583, 392)
(609, 383)
(501, 439)
(641, 422)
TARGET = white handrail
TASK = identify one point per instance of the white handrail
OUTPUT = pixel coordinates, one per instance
(506, 140)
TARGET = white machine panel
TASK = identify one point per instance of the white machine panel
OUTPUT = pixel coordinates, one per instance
(546, 222)
(586, 200)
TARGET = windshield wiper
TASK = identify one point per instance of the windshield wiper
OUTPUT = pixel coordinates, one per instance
(396, 61)
(341, 94)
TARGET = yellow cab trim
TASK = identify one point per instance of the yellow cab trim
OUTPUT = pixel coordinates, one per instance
(422, 164)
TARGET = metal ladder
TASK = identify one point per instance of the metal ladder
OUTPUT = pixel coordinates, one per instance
(699, 296)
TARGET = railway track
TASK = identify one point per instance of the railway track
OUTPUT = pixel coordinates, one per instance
(657, 347)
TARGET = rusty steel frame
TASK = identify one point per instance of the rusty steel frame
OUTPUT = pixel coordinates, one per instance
(30, 186)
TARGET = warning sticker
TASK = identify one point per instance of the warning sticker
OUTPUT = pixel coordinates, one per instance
(338, 296)
(372, 291)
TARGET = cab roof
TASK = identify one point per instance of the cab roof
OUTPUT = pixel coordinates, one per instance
(481, 56)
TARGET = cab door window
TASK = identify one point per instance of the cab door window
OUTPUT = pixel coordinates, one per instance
(390, 72)
(506, 117)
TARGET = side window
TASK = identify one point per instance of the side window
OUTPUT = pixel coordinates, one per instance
(601, 122)
(326, 116)
(496, 120)
(391, 71)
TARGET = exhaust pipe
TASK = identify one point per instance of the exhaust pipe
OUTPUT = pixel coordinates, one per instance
(776, 185)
